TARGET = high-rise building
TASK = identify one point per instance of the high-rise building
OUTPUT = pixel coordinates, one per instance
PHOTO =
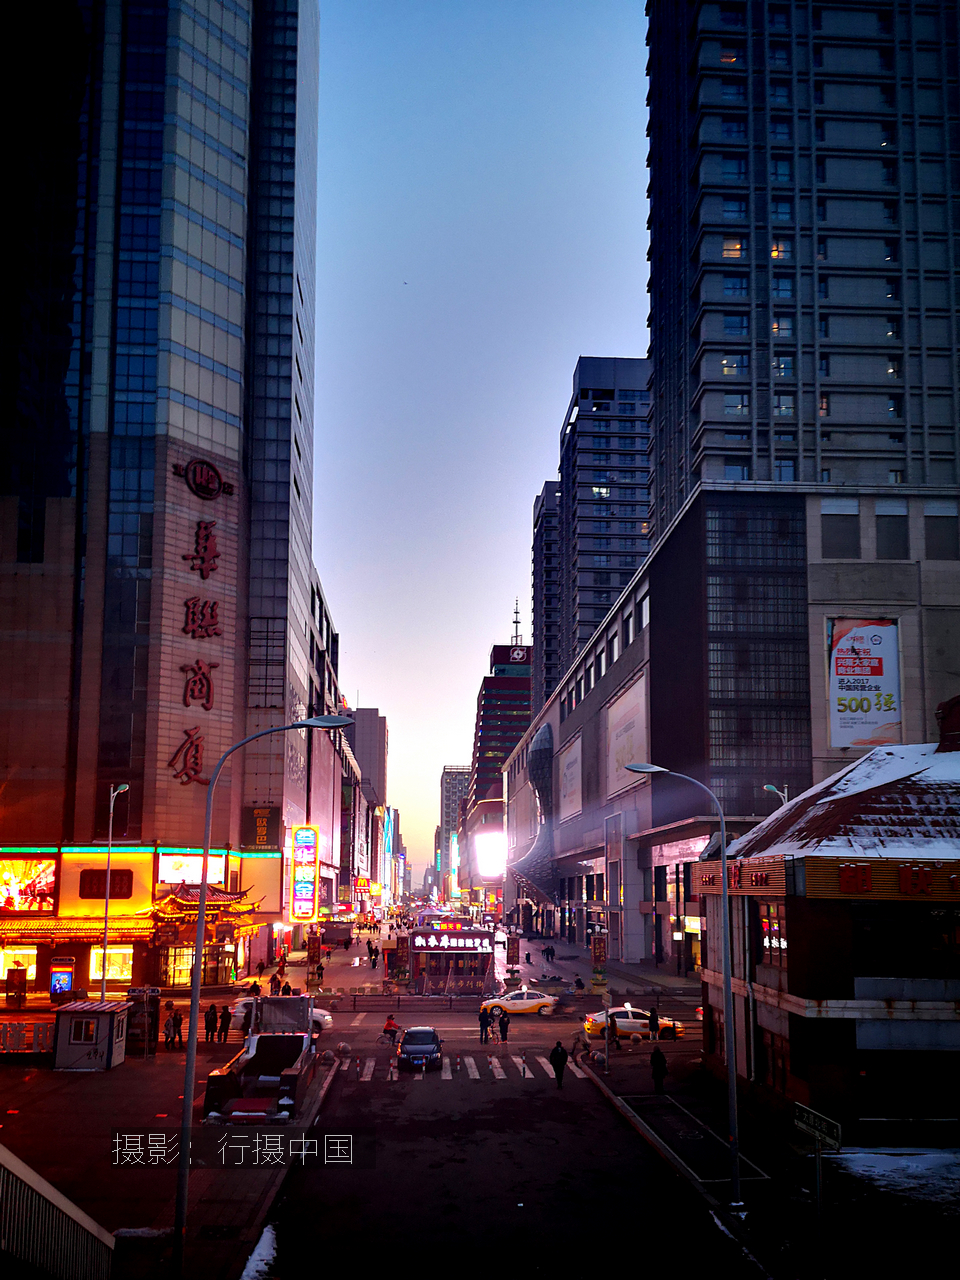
(603, 495)
(369, 741)
(546, 593)
(804, 186)
(454, 782)
(157, 465)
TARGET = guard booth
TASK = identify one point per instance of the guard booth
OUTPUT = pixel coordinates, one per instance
(91, 1035)
(143, 1021)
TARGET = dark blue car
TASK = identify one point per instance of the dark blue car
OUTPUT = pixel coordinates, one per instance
(419, 1049)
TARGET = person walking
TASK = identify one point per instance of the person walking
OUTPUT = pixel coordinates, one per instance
(504, 1025)
(260, 968)
(614, 1030)
(369, 948)
(320, 972)
(658, 1065)
(286, 989)
(274, 984)
(169, 1032)
(281, 966)
(484, 1019)
(255, 988)
(178, 1027)
(224, 1026)
(653, 1022)
(558, 1060)
(210, 1025)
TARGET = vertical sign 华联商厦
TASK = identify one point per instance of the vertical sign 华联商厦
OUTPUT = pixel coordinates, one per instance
(304, 873)
(864, 682)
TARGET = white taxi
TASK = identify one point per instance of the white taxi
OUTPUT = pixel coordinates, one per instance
(521, 1001)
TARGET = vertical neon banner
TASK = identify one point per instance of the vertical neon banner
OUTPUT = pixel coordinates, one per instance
(305, 873)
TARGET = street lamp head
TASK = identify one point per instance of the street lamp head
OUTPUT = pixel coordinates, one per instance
(769, 787)
(323, 722)
(646, 768)
(122, 786)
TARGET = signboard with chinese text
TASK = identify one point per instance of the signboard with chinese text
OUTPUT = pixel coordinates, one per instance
(260, 829)
(403, 952)
(568, 765)
(864, 682)
(304, 875)
(513, 951)
(626, 736)
(28, 886)
(598, 950)
(462, 943)
(821, 1127)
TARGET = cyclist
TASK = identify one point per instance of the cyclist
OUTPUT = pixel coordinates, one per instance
(390, 1028)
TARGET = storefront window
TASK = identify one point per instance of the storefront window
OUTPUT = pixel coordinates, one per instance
(774, 934)
(119, 964)
(27, 957)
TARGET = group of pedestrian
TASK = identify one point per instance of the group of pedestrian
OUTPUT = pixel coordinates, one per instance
(373, 953)
(215, 1027)
(549, 954)
(486, 1020)
(173, 1028)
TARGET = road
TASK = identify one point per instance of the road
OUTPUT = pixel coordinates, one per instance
(486, 1160)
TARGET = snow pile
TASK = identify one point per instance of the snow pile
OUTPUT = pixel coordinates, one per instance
(923, 1173)
(260, 1261)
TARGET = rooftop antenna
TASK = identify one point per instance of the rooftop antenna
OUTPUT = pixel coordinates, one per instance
(517, 637)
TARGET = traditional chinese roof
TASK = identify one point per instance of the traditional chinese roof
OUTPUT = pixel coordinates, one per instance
(896, 802)
(188, 895)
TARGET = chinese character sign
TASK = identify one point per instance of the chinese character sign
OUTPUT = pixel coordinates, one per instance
(864, 682)
(304, 875)
(598, 949)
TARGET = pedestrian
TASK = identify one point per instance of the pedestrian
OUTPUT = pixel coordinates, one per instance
(369, 948)
(376, 956)
(286, 989)
(346, 944)
(210, 1025)
(614, 1030)
(178, 1027)
(169, 1032)
(247, 1019)
(484, 1019)
(526, 957)
(558, 1060)
(224, 1025)
(658, 1065)
(578, 983)
(260, 968)
(281, 966)
(653, 1022)
(274, 985)
(504, 1025)
(320, 972)
(255, 989)
(373, 960)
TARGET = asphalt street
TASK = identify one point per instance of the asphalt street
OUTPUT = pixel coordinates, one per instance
(486, 1165)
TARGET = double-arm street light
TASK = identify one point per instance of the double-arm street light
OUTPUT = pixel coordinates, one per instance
(190, 1069)
(728, 1037)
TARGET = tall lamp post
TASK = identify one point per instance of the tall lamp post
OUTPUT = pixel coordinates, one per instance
(190, 1068)
(114, 792)
(728, 1038)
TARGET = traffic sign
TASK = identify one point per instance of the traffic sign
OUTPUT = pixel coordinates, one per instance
(822, 1127)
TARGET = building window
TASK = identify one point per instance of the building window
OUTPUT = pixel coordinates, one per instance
(93, 884)
(893, 327)
(893, 537)
(823, 366)
(735, 248)
(784, 406)
(941, 529)
(780, 57)
(890, 213)
(733, 55)
(781, 170)
(785, 469)
(735, 366)
(840, 528)
(733, 168)
(782, 250)
(780, 93)
(736, 403)
(733, 15)
(823, 406)
(83, 1030)
(628, 630)
(823, 326)
(736, 469)
(737, 325)
(893, 289)
(781, 210)
(825, 475)
(823, 288)
(782, 366)
(734, 128)
(820, 171)
(733, 91)
(822, 249)
(782, 326)
(895, 406)
(889, 173)
(781, 131)
(734, 210)
(773, 933)
(735, 286)
(896, 477)
(782, 287)
(894, 369)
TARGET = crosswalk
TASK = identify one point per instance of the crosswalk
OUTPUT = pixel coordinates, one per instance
(365, 1070)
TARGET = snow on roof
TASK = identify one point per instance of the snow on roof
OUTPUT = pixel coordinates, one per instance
(894, 802)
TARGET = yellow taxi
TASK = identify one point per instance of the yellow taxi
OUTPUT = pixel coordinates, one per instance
(631, 1022)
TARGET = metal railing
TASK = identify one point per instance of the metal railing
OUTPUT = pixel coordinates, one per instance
(44, 1230)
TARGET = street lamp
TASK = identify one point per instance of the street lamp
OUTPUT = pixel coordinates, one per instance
(114, 792)
(728, 1040)
(784, 794)
(190, 1068)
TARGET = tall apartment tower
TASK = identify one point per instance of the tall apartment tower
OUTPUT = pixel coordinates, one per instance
(546, 593)
(805, 215)
(369, 741)
(603, 497)
(454, 783)
(157, 466)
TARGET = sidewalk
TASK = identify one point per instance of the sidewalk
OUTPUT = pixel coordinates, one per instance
(573, 960)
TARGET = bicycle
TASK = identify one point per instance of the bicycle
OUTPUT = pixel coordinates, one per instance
(493, 1034)
(386, 1038)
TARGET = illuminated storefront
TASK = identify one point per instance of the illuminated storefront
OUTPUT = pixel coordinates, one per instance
(451, 960)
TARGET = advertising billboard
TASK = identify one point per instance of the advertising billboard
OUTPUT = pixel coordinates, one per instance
(305, 872)
(569, 769)
(260, 829)
(187, 868)
(864, 682)
(626, 736)
(28, 886)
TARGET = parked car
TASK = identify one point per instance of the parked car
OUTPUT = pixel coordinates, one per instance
(631, 1022)
(322, 1021)
(521, 1002)
(419, 1049)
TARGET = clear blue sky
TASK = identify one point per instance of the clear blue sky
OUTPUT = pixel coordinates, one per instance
(482, 224)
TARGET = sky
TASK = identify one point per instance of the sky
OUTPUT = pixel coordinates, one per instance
(482, 224)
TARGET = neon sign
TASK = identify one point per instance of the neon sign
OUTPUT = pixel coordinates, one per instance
(304, 875)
